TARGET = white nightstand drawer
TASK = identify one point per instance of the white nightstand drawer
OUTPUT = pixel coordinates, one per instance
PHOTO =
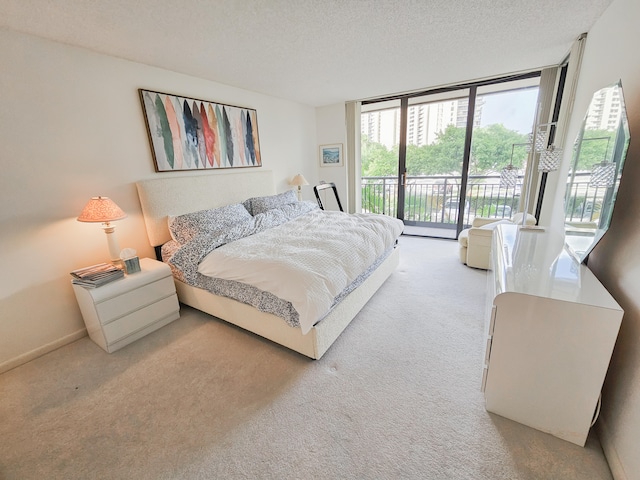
(125, 310)
(115, 308)
(139, 319)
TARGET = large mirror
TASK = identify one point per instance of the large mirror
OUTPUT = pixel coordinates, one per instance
(599, 154)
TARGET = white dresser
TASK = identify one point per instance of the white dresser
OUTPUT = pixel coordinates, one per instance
(551, 327)
(125, 310)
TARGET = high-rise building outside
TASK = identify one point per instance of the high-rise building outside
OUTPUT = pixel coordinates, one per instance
(424, 121)
(604, 113)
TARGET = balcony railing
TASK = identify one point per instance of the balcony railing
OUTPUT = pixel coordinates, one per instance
(434, 200)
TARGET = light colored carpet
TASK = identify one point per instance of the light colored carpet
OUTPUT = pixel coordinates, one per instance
(396, 397)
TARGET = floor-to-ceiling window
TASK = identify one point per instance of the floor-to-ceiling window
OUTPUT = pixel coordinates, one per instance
(434, 159)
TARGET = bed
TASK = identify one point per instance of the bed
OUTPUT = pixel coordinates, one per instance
(168, 197)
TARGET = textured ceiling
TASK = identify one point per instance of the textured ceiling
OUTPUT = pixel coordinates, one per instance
(317, 52)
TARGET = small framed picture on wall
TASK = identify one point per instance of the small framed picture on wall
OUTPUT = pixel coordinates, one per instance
(331, 155)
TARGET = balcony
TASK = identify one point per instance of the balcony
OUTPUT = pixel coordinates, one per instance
(433, 201)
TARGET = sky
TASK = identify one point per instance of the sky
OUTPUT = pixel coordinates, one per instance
(514, 109)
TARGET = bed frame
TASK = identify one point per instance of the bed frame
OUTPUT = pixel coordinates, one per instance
(176, 195)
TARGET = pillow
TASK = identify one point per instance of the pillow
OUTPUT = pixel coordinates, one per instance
(257, 205)
(517, 218)
(492, 225)
(185, 227)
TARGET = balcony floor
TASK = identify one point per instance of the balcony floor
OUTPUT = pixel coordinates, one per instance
(447, 233)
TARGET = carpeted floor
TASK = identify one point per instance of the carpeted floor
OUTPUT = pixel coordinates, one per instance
(396, 397)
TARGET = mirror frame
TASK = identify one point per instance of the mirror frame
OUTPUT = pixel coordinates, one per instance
(587, 222)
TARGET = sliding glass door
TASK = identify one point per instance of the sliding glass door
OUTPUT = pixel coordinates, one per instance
(434, 163)
(434, 160)
(500, 138)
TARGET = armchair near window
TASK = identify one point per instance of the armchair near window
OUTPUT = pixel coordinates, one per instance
(475, 242)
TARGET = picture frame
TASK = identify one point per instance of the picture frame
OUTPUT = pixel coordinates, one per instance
(192, 134)
(331, 155)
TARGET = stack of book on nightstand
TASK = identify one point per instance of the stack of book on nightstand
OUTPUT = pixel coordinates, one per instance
(96, 275)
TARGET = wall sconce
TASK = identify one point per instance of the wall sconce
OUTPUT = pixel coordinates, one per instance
(298, 181)
(104, 210)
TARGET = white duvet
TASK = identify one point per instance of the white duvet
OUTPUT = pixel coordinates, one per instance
(307, 261)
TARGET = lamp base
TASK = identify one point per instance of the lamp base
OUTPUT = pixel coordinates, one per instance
(112, 242)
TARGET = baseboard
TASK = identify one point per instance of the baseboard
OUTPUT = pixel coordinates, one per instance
(615, 465)
(38, 352)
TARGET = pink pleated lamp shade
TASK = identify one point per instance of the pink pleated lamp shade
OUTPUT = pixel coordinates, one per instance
(101, 209)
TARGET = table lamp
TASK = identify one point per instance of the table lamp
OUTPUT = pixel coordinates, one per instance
(298, 181)
(104, 210)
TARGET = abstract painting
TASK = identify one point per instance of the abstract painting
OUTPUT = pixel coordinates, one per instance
(190, 134)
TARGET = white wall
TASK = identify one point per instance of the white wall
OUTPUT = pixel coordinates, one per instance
(71, 127)
(611, 54)
(331, 129)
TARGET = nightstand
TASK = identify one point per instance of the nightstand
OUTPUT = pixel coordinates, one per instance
(127, 309)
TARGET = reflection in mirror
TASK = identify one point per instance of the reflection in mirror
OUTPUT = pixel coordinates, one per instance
(599, 153)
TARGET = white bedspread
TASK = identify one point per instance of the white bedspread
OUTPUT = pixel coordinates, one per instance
(307, 261)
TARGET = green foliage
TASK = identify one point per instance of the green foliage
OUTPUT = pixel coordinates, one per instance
(593, 148)
(443, 156)
(380, 197)
(490, 151)
(420, 203)
(377, 160)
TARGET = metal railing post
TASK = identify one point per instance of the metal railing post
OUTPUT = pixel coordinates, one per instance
(384, 195)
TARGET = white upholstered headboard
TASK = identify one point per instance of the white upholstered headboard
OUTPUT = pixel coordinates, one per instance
(161, 197)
